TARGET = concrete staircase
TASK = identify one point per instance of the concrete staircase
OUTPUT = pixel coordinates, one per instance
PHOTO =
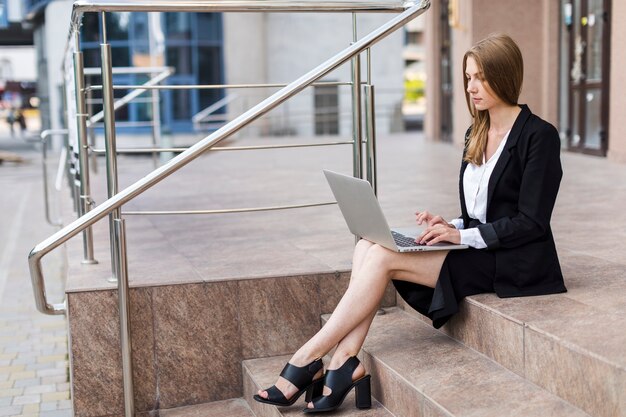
(204, 315)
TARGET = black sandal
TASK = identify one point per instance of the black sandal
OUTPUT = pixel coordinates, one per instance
(302, 378)
(340, 382)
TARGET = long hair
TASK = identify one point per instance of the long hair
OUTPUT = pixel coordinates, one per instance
(500, 63)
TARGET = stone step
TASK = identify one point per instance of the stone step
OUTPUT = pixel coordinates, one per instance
(262, 373)
(419, 371)
(571, 344)
(228, 408)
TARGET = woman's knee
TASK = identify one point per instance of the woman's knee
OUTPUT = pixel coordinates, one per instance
(363, 245)
(380, 258)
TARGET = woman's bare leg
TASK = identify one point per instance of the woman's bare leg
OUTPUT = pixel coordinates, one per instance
(375, 267)
(282, 384)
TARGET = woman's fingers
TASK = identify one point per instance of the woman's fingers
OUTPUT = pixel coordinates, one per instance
(428, 234)
(423, 216)
(437, 220)
(439, 233)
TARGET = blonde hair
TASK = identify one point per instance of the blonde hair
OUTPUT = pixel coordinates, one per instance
(501, 69)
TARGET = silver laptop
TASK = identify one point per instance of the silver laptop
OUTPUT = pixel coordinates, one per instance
(365, 218)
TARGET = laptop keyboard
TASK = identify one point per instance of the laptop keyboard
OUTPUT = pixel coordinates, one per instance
(404, 241)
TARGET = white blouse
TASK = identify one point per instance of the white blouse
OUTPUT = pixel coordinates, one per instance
(475, 184)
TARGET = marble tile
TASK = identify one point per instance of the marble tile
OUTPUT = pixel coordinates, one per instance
(391, 390)
(449, 375)
(198, 349)
(250, 388)
(143, 345)
(583, 331)
(261, 260)
(95, 351)
(279, 316)
(433, 410)
(518, 397)
(226, 408)
(489, 333)
(592, 385)
(94, 345)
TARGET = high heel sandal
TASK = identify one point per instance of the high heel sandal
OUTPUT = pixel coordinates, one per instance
(302, 378)
(340, 382)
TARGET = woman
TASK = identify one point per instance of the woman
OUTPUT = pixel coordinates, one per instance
(509, 181)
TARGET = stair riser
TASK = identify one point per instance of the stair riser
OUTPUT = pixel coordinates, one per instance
(397, 396)
(579, 378)
(189, 340)
(250, 388)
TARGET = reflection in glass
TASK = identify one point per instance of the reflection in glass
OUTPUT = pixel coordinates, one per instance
(179, 57)
(89, 30)
(209, 72)
(595, 25)
(117, 26)
(180, 105)
(575, 118)
(178, 26)
(209, 27)
(593, 121)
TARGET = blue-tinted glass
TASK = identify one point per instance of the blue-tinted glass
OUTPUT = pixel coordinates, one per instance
(178, 26)
(181, 104)
(120, 56)
(140, 28)
(3, 14)
(117, 26)
(180, 57)
(90, 28)
(91, 57)
(209, 26)
(209, 72)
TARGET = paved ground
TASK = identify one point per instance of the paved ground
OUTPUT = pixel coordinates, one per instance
(33, 347)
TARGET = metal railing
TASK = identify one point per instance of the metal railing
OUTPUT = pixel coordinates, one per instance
(44, 135)
(112, 206)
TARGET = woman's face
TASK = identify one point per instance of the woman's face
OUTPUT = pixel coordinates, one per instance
(481, 95)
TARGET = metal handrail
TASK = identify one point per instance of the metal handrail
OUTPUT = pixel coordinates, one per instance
(225, 211)
(129, 193)
(209, 86)
(83, 6)
(224, 148)
(44, 157)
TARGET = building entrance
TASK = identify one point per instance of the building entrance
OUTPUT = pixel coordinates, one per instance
(586, 37)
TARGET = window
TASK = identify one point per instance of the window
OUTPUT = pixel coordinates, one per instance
(326, 110)
(193, 46)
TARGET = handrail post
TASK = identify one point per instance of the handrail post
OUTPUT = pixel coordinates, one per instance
(91, 131)
(156, 123)
(370, 134)
(110, 139)
(84, 203)
(44, 166)
(123, 294)
(156, 49)
(357, 132)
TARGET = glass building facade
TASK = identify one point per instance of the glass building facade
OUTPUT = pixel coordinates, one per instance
(193, 46)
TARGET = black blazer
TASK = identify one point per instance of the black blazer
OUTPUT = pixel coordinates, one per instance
(520, 197)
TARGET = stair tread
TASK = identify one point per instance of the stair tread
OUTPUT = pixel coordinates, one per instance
(449, 375)
(228, 408)
(263, 372)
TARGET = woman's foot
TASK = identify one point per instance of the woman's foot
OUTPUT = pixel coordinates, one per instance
(298, 375)
(342, 365)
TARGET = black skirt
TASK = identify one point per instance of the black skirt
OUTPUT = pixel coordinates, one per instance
(464, 272)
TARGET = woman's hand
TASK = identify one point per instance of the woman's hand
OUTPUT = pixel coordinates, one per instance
(440, 232)
(430, 219)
